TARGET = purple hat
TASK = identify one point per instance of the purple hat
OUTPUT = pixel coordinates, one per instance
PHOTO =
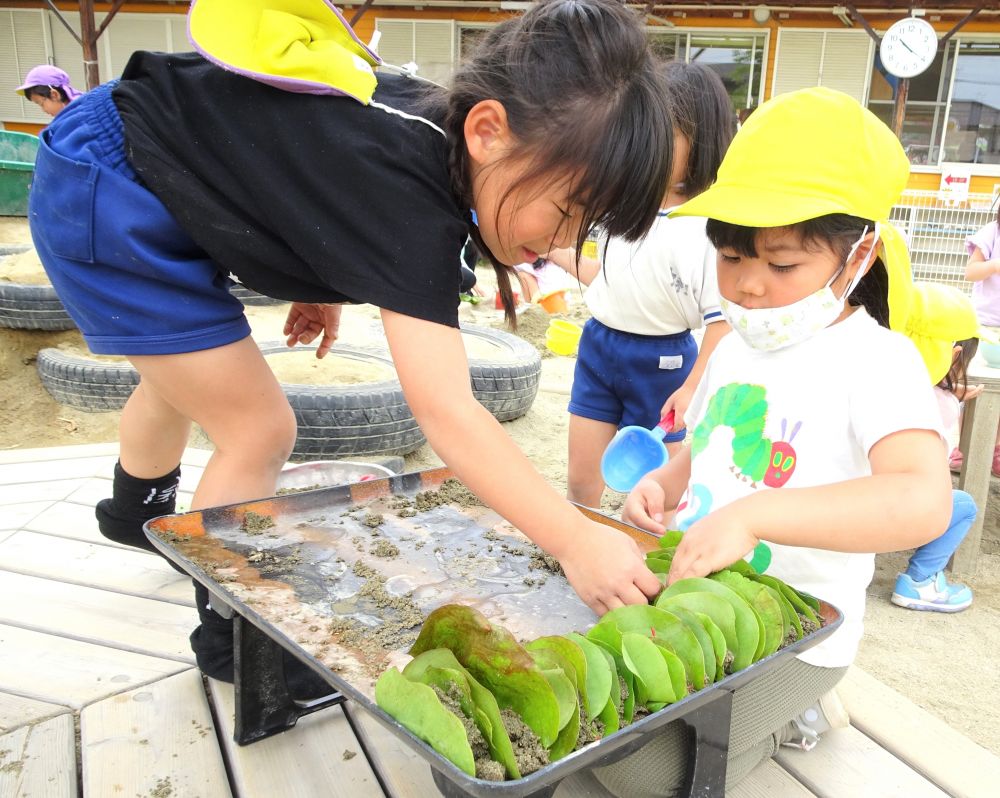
(46, 75)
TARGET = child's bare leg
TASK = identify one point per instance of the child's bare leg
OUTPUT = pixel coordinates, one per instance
(587, 441)
(232, 394)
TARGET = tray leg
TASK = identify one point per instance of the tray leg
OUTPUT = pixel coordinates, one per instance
(706, 773)
(263, 704)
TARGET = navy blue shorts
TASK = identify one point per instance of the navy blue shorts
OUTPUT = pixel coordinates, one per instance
(132, 280)
(622, 378)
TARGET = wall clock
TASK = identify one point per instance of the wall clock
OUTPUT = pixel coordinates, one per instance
(908, 47)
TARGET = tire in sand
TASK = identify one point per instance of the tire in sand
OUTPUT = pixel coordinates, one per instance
(26, 306)
(86, 383)
(505, 371)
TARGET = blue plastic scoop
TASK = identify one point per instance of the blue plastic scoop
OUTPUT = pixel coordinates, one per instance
(633, 453)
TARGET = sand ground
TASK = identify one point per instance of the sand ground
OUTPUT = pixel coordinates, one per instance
(945, 663)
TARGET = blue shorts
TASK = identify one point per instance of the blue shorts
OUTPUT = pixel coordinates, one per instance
(622, 378)
(132, 280)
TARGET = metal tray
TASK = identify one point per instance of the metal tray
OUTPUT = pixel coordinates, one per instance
(296, 567)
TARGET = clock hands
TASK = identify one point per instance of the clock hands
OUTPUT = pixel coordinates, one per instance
(903, 42)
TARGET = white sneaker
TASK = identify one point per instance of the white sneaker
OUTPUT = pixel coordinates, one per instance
(826, 714)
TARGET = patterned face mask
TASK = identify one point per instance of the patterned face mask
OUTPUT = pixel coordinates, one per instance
(770, 329)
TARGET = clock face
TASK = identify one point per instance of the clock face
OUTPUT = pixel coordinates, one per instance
(908, 47)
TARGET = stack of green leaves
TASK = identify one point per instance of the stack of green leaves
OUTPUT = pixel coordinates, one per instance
(500, 710)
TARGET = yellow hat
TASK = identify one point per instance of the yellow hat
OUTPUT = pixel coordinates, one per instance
(303, 46)
(940, 316)
(807, 154)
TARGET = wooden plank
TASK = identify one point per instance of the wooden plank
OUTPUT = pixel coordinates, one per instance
(17, 711)
(769, 780)
(38, 491)
(50, 453)
(157, 628)
(122, 570)
(18, 514)
(61, 671)
(40, 760)
(847, 764)
(928, 744)
(156, 740)
(318, 756)
(404, 773)
(979, 427)
(70, 520)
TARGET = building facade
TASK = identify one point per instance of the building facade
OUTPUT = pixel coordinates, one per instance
(950, 128)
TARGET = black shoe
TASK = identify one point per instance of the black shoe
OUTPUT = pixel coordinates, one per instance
(126, 531)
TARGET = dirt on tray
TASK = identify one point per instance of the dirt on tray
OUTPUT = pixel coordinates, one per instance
(930, 658)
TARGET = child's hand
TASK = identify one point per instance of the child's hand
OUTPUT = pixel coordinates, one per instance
(607, 570)
(717, 540)
(305, 321)
(966, 392)
(679, 401)
(645, 505)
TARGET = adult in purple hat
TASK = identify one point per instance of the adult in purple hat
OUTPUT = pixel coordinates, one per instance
(48, 87)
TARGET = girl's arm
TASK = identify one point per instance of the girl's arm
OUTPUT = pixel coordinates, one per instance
(604, 566)
(977, 268)
(905, 503)
(657, 493)
(585, 270)
(680, 400)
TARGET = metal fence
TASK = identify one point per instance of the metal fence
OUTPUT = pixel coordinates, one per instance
(936, 230)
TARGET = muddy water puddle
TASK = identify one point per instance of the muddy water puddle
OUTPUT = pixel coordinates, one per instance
(351, 582)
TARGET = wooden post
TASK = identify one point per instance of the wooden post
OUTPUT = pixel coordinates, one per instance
(88, 35)
(899, 113)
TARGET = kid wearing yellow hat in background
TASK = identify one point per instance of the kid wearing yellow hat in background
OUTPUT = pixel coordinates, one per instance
(943, 326)
(816, 440)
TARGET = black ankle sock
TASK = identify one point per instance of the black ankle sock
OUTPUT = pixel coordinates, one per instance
(134, 501)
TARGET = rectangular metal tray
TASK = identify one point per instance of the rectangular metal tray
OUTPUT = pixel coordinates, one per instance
(310, 570)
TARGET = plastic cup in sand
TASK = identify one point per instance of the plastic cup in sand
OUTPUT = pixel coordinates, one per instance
(563, 337)
(554, 301)
(633, 453)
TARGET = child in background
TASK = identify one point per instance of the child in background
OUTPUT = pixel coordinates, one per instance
(942, 315)
(637, 350)
(540, 278)
(148, 192)
(815, 436)
(983, 271)
(49, 88)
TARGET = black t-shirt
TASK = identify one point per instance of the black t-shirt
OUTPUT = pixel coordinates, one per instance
(303, 197)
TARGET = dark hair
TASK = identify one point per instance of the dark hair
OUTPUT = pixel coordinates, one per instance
(582, 96)
(703, 114)
(958, 374)
(46, 92)
(838, 231)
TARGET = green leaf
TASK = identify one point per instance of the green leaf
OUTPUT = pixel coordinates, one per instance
(765, 604)
(492, 655)
(417, 707)
(647, 664)
(690, 620)
(718, 643)
(716, 608)
(747, 622)
(487, 712)
(597, 682)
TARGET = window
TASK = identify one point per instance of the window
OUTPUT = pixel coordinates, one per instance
(952, 112)
(837, 59)
(427, 43)
(972, 133)
(738, 58)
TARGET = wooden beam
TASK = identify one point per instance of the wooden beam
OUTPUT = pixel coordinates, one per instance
(62, 19)
(899, 112)
(107, 20)
(361, 12)
(854, 14)
(89, 36)
(958, 25)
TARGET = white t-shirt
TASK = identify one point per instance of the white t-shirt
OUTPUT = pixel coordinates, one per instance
(664, 284)
(801, 417)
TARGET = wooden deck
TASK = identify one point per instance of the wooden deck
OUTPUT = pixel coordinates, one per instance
(99, 696)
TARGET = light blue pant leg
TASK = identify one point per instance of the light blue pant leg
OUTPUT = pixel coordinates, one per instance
(933, 557)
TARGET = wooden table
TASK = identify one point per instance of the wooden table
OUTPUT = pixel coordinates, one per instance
(979, 429)
(99, 696)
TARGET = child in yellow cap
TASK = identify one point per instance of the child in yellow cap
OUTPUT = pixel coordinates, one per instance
(943, 326)
(816, 440)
